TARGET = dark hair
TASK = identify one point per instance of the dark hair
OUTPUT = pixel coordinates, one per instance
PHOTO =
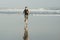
(25, 6)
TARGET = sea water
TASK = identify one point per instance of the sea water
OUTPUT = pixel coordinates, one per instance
(40, 27)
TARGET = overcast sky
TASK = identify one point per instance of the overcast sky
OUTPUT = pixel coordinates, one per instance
(29, 3)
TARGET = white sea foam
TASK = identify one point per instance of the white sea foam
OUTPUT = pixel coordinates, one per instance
(32, 11)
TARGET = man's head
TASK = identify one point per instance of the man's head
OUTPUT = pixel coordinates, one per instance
(26, 7)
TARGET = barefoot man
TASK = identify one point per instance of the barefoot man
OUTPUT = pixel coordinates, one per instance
(26, 13)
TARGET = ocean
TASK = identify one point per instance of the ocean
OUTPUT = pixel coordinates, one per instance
(40, 27)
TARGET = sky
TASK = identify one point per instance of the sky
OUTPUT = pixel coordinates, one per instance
(30, 3)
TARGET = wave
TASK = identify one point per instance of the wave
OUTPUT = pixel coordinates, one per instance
(32, 11)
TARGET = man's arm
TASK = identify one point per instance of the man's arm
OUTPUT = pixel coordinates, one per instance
(28, 12)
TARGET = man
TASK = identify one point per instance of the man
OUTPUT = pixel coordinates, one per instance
(26, 13)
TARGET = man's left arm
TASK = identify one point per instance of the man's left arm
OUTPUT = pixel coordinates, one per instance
(28, 12)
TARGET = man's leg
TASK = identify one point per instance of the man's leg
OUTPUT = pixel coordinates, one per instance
(26, 17)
